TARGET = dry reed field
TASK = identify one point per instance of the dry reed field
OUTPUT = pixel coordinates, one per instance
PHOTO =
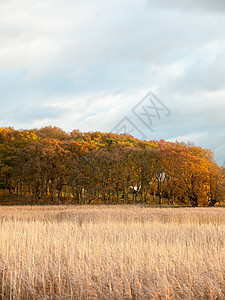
(112, 252)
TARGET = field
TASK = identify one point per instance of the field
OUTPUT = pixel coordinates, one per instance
(111, 252)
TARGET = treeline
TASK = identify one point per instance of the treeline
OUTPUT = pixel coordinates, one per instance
(48, 165)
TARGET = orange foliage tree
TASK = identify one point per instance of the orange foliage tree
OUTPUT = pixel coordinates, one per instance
(48, 165)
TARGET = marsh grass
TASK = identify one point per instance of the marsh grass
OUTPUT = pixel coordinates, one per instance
(112, 252)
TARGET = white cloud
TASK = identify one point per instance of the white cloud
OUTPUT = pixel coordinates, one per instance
(192, 5)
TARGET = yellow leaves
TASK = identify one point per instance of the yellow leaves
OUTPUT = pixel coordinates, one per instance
(28, 136)
(143, 144)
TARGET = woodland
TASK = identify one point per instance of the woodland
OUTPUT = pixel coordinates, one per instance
(51, 166)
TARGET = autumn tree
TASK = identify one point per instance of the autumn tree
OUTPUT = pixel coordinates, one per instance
(48, 165)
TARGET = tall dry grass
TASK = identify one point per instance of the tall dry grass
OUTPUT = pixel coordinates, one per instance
(112, 252)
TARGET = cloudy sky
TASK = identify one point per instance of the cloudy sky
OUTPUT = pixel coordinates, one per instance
(89, 64)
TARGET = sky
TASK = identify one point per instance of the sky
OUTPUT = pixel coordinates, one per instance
(151, 68)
